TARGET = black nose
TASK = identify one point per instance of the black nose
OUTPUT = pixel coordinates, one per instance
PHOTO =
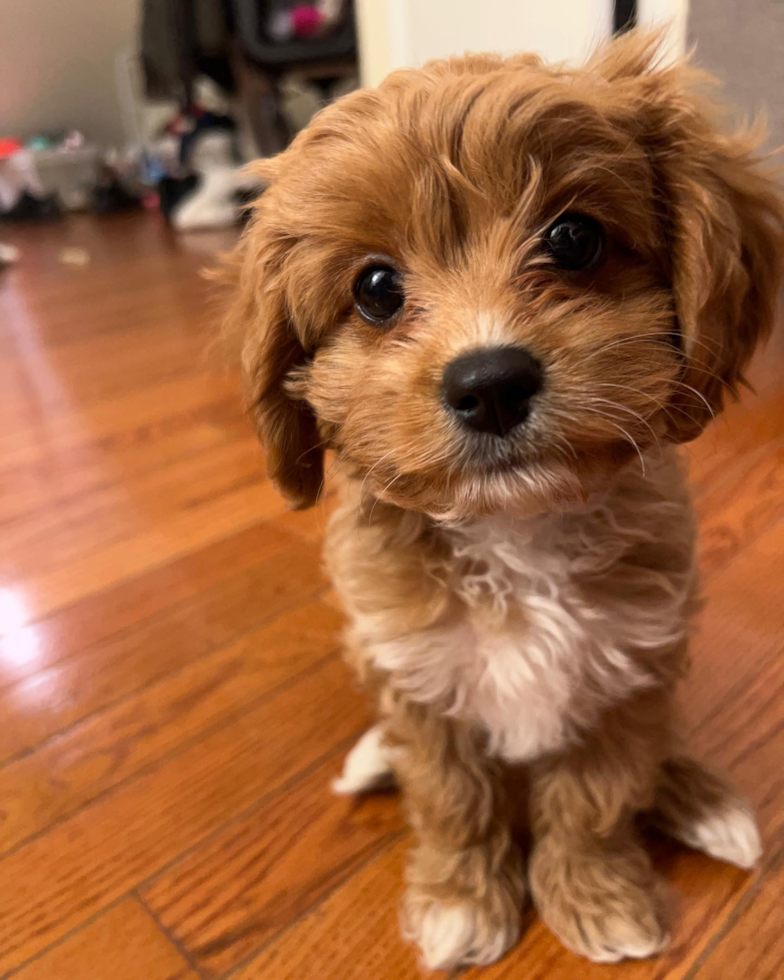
(490, 390)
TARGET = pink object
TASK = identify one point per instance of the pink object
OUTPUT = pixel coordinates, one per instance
(9, 146)
(306, 20)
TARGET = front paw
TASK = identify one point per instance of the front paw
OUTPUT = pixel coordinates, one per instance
(459, 932)
(604, 906)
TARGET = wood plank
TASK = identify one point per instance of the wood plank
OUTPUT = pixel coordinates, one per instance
(63, 776)
(115, 416)
(734, 693)
(76, 377)
(27, 489)
(746, 425)
(255, 877)
(59, 880)
(752, 944)
(121, 944)
(309, 525)
(26, 650)
(353, 935)
(185, 532)
(106, 672)
(739, 505)
(83, 524)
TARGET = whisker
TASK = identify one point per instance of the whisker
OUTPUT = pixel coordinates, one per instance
(670, 408)
(562, 444)
(652, 337)
(364, 481)
(627, 435)
(702, 398)
(625, 408)
(632, 441)
(325, 477)
(378, 496)
(636, 391)
(312, 449)
(622, 341)
(712, 374)
(361, 502)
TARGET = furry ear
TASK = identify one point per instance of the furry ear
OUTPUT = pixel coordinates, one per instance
(723, 221)
(272, 352)
(726, 232)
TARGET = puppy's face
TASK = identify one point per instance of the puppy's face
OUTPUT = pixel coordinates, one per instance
(488, 285)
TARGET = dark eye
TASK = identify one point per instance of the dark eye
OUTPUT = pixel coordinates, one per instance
(379, 293)
(575, 241)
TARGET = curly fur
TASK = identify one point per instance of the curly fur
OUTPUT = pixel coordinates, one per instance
(519, 608)
(536, 624)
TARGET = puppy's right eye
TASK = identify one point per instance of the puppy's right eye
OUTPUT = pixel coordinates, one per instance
(575, 242)
(378, 292)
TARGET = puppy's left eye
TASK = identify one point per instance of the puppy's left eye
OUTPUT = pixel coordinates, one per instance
(378, 292)
(575, 242)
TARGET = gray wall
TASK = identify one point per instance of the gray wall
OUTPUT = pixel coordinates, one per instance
(57, 65)
(742, 41)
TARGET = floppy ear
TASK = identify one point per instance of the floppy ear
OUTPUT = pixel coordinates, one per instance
(726, 231)
(723, 222)
(272, 352)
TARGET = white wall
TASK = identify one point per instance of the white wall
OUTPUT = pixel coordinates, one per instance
(57, 65)
(406, 33)
(670, 14)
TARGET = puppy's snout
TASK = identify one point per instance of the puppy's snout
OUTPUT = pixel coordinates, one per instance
(490, 390)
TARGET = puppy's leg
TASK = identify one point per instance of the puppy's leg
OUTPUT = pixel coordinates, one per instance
(590, 876)
(703, 810)
(368, 765)
(465, 877)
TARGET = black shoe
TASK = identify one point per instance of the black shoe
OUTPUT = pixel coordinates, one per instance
(31, 208)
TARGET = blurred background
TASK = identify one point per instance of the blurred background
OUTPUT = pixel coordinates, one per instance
(109, 106)
(173, 703)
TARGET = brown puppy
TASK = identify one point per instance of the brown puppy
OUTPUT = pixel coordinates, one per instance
(502, 293)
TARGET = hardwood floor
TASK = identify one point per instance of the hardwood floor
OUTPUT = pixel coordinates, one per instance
(172, 699)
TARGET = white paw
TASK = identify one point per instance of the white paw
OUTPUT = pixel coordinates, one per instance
(456, 934)
(730, 835)
(367, 766)
(630, 948)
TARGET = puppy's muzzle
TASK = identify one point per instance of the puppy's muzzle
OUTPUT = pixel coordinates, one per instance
(490, 390)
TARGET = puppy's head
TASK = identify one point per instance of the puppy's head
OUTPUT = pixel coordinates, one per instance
(489, 284)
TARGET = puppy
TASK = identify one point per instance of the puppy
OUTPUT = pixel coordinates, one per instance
(502, 294)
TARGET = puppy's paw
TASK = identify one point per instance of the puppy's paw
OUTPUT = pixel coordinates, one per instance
(367, 767)
(729, 834)
(606, 908)
(460, 932)
(702, 809)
